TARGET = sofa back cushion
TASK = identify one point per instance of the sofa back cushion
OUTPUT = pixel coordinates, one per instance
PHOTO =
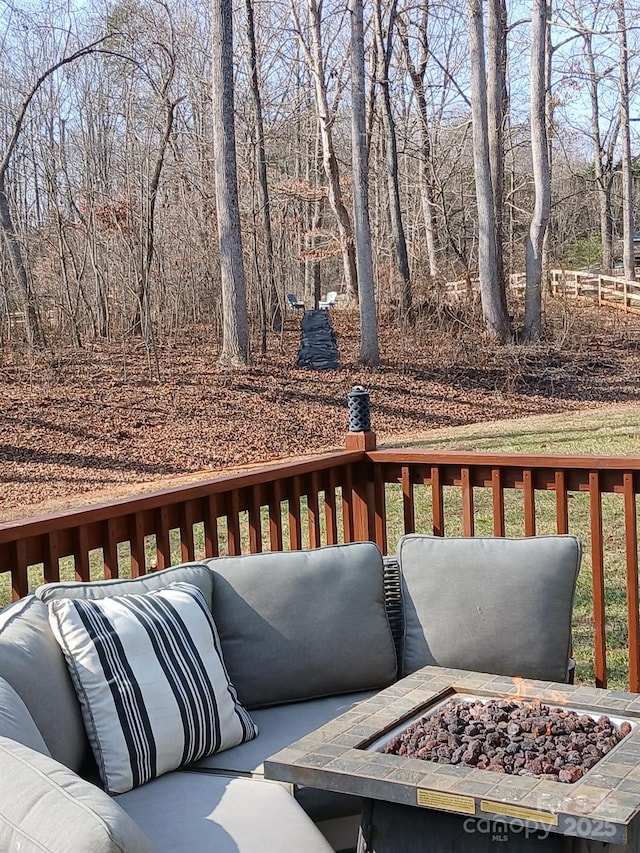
(303, 624)
(16, 722)
(33, 664)
(489, 604)
(194, 573)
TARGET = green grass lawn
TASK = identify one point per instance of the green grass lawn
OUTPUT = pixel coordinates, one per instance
(610, 431)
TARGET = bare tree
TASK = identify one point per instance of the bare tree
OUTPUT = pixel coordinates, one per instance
(384, 44)
(264, 203)
(369, 352)
(235, 330)
(497, 112)
(313, 53)
(35, 336)
(541, 175)
(142, 319)
(628, 255)
(417, 71)
(603, 142)
(493, 307)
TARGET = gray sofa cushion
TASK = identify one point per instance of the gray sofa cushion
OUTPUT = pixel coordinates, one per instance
(278, 727)
(33, 664)
(194, 573)
(46, 808)
(303, 624)
(16, 722)
(491, 605)
(202, 813)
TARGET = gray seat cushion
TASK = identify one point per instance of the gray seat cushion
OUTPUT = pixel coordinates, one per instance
(47, 808)
(33, 664)
(303, 624)
(278, 727)
(491, 605)
(202, 813)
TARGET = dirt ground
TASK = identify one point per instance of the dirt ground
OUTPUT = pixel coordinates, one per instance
(89, 425)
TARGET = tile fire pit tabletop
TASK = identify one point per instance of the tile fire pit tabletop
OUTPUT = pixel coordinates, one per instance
(601, 805)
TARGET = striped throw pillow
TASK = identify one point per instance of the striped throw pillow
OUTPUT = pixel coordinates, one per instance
(151, 681)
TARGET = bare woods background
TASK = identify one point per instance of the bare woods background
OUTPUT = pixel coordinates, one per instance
(107, 200)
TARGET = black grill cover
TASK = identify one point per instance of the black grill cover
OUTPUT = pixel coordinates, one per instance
(318, 348)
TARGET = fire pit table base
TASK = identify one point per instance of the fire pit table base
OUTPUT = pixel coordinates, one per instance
(394, 828)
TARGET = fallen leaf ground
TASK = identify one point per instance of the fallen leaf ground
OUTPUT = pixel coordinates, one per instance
(90, 425)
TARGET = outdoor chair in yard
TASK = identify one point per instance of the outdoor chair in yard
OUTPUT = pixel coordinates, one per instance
(293, 302)
(492, 605)
(329, 301)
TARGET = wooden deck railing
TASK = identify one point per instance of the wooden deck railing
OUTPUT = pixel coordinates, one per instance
(378, 495)
(256, 510)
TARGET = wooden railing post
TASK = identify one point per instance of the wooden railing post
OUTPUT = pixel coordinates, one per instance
(365, 440)
(359, 505)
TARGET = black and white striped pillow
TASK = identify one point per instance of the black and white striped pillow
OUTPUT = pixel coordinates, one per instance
(151, 680)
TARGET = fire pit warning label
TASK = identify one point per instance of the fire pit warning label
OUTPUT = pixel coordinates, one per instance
(519, 812)
(446, 802)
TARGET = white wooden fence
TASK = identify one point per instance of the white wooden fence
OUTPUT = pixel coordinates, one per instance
(607, 290)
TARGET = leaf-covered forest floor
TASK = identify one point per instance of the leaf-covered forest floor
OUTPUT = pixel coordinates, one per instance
(88, 425)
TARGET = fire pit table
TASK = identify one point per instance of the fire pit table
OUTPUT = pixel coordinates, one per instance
(411, 804)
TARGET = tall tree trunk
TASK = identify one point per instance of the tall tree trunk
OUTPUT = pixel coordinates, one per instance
(493, 310)
(313, 53)
(35, 335)
(540, 156)
(273, 302)
(369, 352)
(628, 254)
(313, 279)
(549, 123)
(383, 47)
(496, 117)
(142, 319)
(235, 325)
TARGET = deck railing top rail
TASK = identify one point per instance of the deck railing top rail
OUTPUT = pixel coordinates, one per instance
(103, 511)
(521, 460)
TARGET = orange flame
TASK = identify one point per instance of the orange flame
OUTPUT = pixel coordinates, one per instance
(523, 691)
(556, 698)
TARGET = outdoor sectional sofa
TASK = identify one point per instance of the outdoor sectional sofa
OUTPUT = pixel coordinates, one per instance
(299, 638)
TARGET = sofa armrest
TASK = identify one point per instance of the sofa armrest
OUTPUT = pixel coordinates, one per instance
(44, 806)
